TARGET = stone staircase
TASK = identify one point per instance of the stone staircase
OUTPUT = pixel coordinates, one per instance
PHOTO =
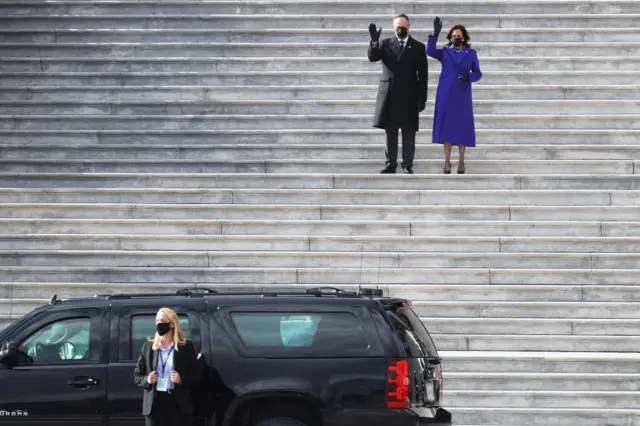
(162, 143)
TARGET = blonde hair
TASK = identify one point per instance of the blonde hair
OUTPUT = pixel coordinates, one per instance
(178, 334)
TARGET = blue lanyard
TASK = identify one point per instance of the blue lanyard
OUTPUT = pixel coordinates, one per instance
(166, 360)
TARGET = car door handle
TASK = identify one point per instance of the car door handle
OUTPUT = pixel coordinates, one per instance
(83, 382)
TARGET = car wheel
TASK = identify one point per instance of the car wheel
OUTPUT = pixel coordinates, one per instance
(279, 421)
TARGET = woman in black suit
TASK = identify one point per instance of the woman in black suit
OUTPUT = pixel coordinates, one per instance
(167, 370)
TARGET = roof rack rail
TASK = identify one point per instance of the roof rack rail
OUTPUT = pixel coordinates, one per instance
(187, 292)
(321, 291)
(204, 291)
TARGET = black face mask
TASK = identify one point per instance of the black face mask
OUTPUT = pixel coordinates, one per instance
(163, 328)
(401, 32)
(456, 41)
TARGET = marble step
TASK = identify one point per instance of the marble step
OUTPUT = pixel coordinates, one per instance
(375, 181)
(318, 258)
(420, 277)
(343, 236)
(368, 76)
(307, 35)
(130, 50)
(533, 327)
(312, 153)
(580, 310)
(334, 106)
(540, 236)
(545, 399)
(306, 121)
(318, 212)
(500, 416)
(556, 382)
(542, 363)
(315, 91)
(434, 292)
(322, 196)
(368, 137)
(353, 7)
(517, 293)
(208, 15)
(298, 63)
(473, 167)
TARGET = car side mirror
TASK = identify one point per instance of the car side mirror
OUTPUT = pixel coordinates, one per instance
(8, 354)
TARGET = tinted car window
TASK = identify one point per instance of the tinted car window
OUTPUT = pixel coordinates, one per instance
(64, 341)
(300, 330)
(411, 333)
(143, 328)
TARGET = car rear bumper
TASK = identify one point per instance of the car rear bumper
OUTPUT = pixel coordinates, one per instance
(385, 417)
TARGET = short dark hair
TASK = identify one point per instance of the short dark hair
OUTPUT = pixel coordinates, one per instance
(401, 15)
(465, 34)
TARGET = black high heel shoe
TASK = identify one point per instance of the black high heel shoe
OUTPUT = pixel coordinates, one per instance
(447, 170)
(461, 168)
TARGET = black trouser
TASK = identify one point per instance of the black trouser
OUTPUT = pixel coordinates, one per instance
(408, 146)
(166, 412)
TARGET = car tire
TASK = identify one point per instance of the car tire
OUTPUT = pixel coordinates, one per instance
(279, 421)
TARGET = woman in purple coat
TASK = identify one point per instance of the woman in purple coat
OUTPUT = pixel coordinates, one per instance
(453, 118)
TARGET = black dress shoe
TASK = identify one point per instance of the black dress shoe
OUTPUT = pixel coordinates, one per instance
(408, 170)
(388, 170)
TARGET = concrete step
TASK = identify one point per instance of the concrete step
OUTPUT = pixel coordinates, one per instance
(307, 107)
(518, 293)
(83, 8)
(546, 416)
(293, 121)
(210, 257)
(368, 76)
(322, 196)
(305, 35)
(532, 327)
(318, 276)
(201, 153)
(146, 50)
(556, 382)
(298, 63)
(317, 212)
(207, 15)
(315, 91)
(484, 137)
(544, 364)
(374, 181)
(546, 399)
(474, 167)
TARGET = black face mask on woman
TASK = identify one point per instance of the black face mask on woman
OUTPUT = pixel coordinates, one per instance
(163, 328)
(456, 41)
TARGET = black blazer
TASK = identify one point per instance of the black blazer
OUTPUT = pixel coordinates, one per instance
(185, 362)
(402, 92)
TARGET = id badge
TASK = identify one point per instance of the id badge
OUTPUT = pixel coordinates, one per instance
(163, 384)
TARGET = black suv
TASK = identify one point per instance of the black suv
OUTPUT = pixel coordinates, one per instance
(323, 357)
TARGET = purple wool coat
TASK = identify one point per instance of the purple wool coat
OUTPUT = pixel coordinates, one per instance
(453, 117)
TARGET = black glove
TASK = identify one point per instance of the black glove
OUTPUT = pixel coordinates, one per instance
(374, 32)
(464, 77)
(437, 26)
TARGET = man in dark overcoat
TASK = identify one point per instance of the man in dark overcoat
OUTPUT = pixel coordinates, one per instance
(402, 92)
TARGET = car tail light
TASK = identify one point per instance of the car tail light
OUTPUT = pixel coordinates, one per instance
(433, 385)
(398, 384)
